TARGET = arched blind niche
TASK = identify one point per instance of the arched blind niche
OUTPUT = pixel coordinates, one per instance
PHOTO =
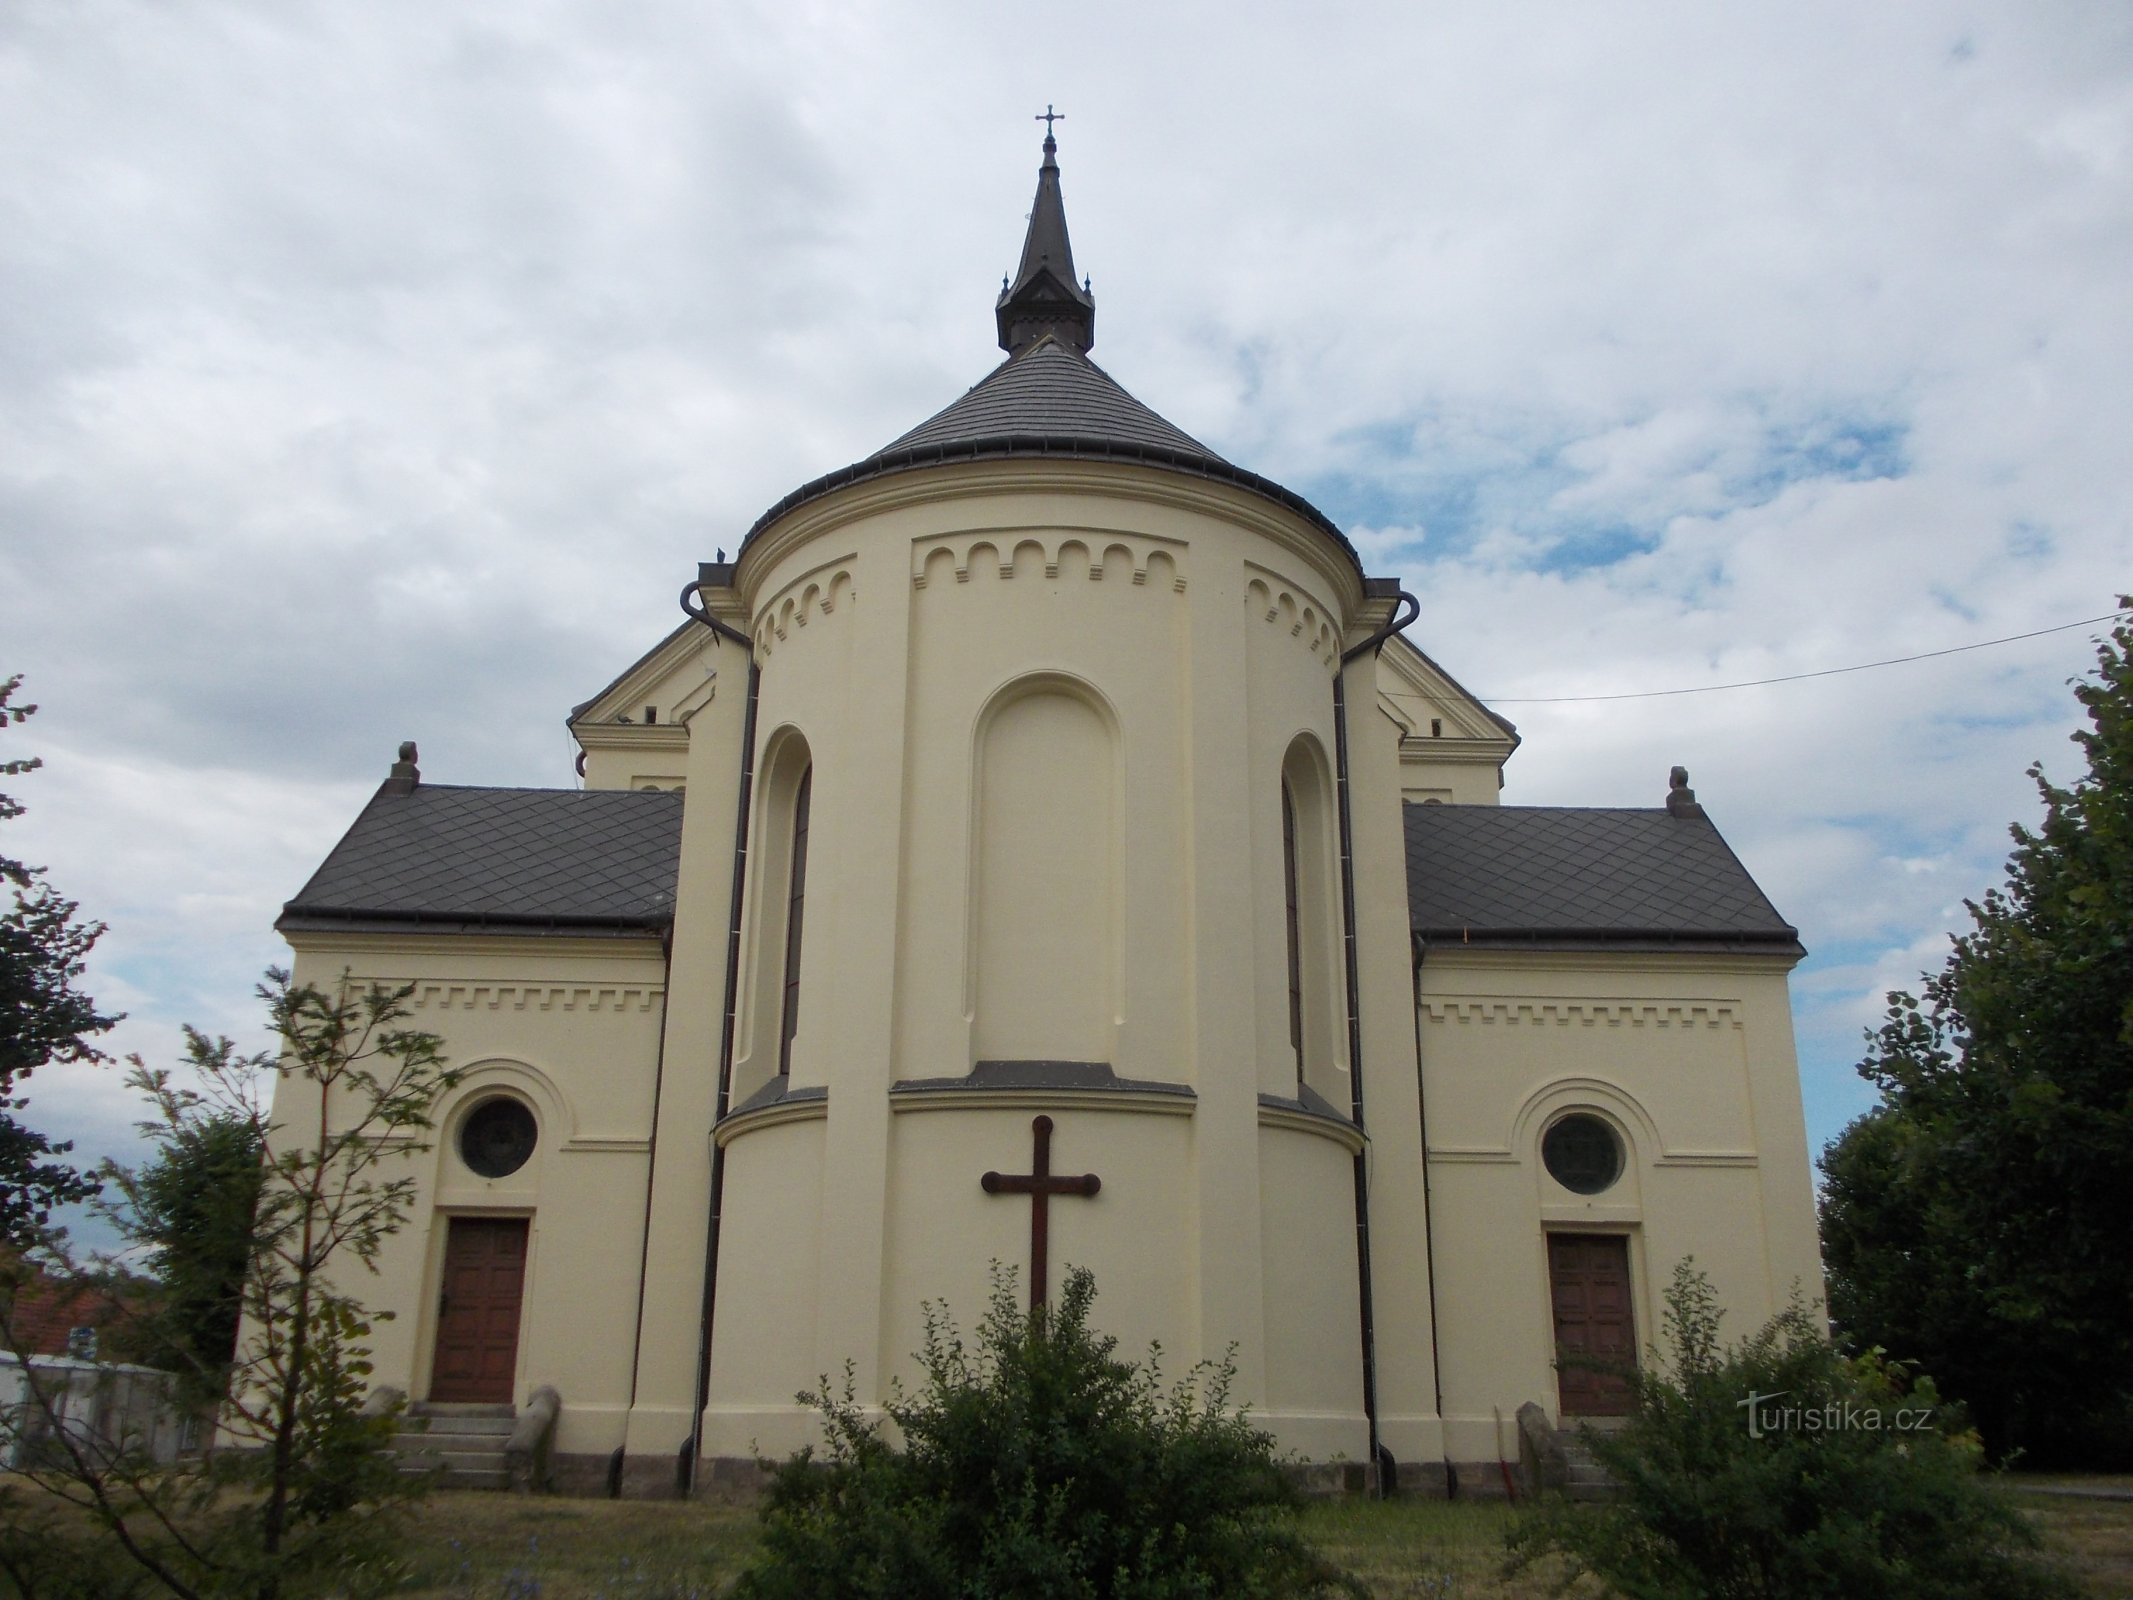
(1310, 916)
(1046, 895)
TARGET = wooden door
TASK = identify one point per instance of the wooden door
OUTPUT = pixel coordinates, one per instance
(1588, 1278)
(477, 1310)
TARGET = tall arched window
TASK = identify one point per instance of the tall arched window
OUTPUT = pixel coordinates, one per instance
(795, 903)
(1295, 940)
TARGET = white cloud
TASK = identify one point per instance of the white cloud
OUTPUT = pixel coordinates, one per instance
(380, 372)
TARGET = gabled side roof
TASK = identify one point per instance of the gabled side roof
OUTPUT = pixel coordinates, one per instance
(676, 674)
(529, 860)
(1559, 875)
(1426, 676)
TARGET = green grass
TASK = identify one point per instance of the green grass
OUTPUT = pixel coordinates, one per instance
(1410, 1549)
(461, 1546)
(464, 1546)
(473, 1547)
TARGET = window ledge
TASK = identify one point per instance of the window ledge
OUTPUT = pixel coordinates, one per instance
(776, 1102)
(1310, 1112)
(1011, 1084)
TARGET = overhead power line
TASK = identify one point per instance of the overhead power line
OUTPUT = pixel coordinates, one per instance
(1794, 677)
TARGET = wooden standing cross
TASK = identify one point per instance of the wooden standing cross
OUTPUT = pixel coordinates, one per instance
(1039, 1184)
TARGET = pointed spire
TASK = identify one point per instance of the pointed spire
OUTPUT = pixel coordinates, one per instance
(1043, 297)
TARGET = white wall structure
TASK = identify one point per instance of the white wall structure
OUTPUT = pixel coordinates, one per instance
(1045, 765)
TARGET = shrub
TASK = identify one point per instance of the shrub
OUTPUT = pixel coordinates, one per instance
(1854, 1479)
(1037, 1465)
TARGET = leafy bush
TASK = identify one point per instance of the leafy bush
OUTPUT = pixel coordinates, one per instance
(1854, 1478)
(1037, 1465)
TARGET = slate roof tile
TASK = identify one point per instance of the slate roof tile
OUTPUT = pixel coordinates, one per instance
(1050, 401)
(1053, 391)
(574, 857)
(1570, 874)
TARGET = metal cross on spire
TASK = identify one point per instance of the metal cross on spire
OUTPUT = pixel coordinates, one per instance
(1050, 116)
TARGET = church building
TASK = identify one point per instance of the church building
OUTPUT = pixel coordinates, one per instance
(1042, 845)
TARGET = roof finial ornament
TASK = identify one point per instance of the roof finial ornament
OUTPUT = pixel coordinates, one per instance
(1050, 116)
(405, 776)
(1680, 798)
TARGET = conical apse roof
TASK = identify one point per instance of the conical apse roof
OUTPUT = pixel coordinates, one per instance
(1048, 399)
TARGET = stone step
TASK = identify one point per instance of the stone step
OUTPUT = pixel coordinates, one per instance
(456, 1461)
(463, 1427)
(1584, 1478)
(462, 1444)
(446, 1409)
(433, 1444)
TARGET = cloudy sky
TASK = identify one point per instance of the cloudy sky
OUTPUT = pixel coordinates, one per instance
(380, 370)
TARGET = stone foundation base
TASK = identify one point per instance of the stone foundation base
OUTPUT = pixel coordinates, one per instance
(1425, 1480)
(732, 1480)
(1483, 1480)
(742, 1480)
(583, 1477)
(1327, 1480)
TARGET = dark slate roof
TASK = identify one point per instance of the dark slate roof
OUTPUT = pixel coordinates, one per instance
(1565, 875)
(1051, 391)
(565, 860)
(1053, 402)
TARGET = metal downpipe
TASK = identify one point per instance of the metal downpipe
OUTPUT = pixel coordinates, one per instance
(692, 1454)
(1380, 1457)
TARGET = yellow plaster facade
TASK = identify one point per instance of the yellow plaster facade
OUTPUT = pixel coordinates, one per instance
(1064, 725)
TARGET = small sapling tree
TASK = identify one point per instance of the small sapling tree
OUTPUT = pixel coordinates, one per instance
(285, 1502)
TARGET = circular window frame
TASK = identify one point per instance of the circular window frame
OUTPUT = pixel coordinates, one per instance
(1582, 1117)
(475, 1112)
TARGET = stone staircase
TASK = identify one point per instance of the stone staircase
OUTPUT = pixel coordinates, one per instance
(1583, 1477)
(463, 1443)
(1556, 1460)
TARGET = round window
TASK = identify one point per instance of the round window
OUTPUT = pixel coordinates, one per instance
(498, 1137)
(1582, 1154)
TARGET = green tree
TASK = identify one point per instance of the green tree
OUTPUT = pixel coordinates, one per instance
(1037, 1464)
(190, 1210)
(1975, 1220)
(290, 1505)
(1775, 1467)
(43, 1017)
